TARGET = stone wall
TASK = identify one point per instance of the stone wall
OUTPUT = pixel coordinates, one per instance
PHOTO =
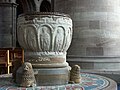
(7, 24)
(96, 26)
(96, 32)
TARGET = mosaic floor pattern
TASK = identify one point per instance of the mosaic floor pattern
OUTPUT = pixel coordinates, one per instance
(89, 82)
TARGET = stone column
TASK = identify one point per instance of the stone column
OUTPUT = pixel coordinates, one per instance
(96, 37)
(7, 23)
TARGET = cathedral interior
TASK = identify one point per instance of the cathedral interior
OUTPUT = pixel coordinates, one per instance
(95, 45)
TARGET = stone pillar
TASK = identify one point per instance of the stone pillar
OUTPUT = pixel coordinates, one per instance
(96, 37)
(7, 23)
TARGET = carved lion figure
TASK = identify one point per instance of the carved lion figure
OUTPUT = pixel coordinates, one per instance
(25, 75)
(75, 74)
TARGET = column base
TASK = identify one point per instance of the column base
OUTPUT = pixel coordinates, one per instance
(46, 59)
(51, 76)
(97, 63)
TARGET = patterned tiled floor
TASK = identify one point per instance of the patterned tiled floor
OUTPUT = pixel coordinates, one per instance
(89, 82)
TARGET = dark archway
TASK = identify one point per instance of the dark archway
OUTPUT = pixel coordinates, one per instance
(19, 11)
(45, 6)
(19, 7)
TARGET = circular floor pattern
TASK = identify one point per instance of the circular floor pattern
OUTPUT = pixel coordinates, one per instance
(89, 82)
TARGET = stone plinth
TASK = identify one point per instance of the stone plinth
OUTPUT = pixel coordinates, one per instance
(52, 76)
(46, 38)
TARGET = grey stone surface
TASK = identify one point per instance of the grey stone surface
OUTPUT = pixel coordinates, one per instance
(51, 76)
(96, 63)
(94, 24)
(94, 51)
(96, 31)
(6, 40)
(7, 23)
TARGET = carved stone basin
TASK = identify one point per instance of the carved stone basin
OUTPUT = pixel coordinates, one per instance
(45, 37)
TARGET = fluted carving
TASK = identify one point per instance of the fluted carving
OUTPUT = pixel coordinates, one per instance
(49, 33)
(45, 37)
